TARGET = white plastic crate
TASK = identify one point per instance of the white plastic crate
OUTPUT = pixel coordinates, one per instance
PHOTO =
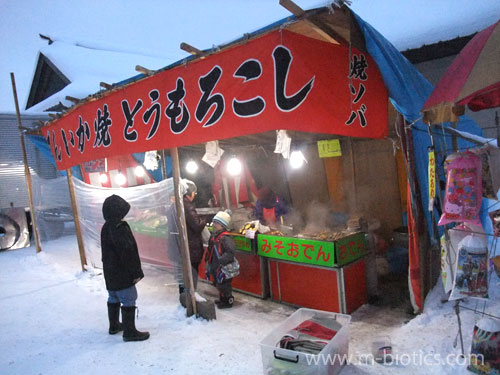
(331, 359)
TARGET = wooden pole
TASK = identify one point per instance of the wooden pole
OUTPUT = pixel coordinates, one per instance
(181, 224)
(497, 124)
(81, 248)
(321, 28)
(163, 165)
(26, 166)
(454, 140)
(354, 198)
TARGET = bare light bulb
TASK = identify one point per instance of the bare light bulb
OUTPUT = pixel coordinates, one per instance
(297, 159)
(191, 167)
(120, 179)
(139, 171)
(234, 167)
(103, 178)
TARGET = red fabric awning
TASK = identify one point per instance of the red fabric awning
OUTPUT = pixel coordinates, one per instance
(472, 79)
(281, 80)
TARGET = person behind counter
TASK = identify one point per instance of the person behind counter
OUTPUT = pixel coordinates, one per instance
(121, 267)
(220, 252)
(270, 207)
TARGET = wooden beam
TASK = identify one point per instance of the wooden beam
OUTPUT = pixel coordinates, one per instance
(144, 70)
(292, 7)
(26, 166)
(326, 32)
(105, 85)
(192, 50)
(184, 248)
(76, 218)
(73, 99)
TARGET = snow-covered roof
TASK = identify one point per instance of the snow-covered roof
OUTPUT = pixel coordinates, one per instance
(86, 66)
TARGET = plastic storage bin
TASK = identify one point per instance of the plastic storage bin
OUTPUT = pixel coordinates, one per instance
(331, 359)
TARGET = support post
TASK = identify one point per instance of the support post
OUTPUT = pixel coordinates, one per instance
(78, 228)
(454, 140)
(181, 224)
(163, 165)
(497, 124)
(27, 173)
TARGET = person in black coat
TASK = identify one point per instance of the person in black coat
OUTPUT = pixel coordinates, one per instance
(194, 226)
(122, 268)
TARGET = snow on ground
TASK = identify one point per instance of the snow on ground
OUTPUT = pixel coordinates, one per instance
(54, 321)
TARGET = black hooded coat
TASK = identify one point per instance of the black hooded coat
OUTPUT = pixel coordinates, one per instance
(120, 256)
(194, 227)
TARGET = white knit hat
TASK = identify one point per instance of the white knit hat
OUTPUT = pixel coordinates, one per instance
(223, 218)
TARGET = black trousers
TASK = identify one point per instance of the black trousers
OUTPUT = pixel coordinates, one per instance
(225, 288)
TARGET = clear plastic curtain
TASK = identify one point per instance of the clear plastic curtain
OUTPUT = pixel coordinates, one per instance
(150, 205)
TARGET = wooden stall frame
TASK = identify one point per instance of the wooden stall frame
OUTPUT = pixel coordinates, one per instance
(26, 166)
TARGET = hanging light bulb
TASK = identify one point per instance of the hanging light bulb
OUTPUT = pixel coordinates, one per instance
(139, 171)
(191, 167)
(120, 179)
(103, 178)
(234, 166)
(297, 159)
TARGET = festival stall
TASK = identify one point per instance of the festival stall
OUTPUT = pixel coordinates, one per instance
(469, 204)
(308, 74)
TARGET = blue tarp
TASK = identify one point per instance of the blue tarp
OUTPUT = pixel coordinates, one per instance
(156, 173)
(41, 144)
(408, 90)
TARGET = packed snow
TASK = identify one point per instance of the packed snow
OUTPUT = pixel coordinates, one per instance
(54, 321)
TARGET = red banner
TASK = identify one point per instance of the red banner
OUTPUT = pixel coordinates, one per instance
(281, 80)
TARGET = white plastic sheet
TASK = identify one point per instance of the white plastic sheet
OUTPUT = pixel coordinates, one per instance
(147, 218)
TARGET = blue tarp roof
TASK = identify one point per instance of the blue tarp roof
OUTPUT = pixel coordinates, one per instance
(408, 91)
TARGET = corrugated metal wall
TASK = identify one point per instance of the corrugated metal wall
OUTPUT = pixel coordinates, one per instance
(12, 180)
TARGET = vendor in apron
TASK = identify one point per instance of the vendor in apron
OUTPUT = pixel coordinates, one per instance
(270, 208)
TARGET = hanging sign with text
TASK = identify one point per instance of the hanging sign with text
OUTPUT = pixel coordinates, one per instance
(281, 80)
(329, 148)
(321, 253)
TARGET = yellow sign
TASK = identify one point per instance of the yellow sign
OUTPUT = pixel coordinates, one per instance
(432, 178)
(329, 148)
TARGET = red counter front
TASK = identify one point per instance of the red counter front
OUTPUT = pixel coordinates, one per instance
(253, 274)
(339, 289)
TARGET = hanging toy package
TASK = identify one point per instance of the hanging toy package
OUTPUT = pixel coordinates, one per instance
(462, 201)
(449, 254)
(471, 271)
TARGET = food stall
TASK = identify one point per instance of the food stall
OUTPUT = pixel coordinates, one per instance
(291, 77)
(321, 274)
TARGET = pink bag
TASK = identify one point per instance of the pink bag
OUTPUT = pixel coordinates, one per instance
(462, 201)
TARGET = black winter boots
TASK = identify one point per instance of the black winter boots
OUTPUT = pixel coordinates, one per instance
(130, 333)
(224, 302)
(114, 318)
